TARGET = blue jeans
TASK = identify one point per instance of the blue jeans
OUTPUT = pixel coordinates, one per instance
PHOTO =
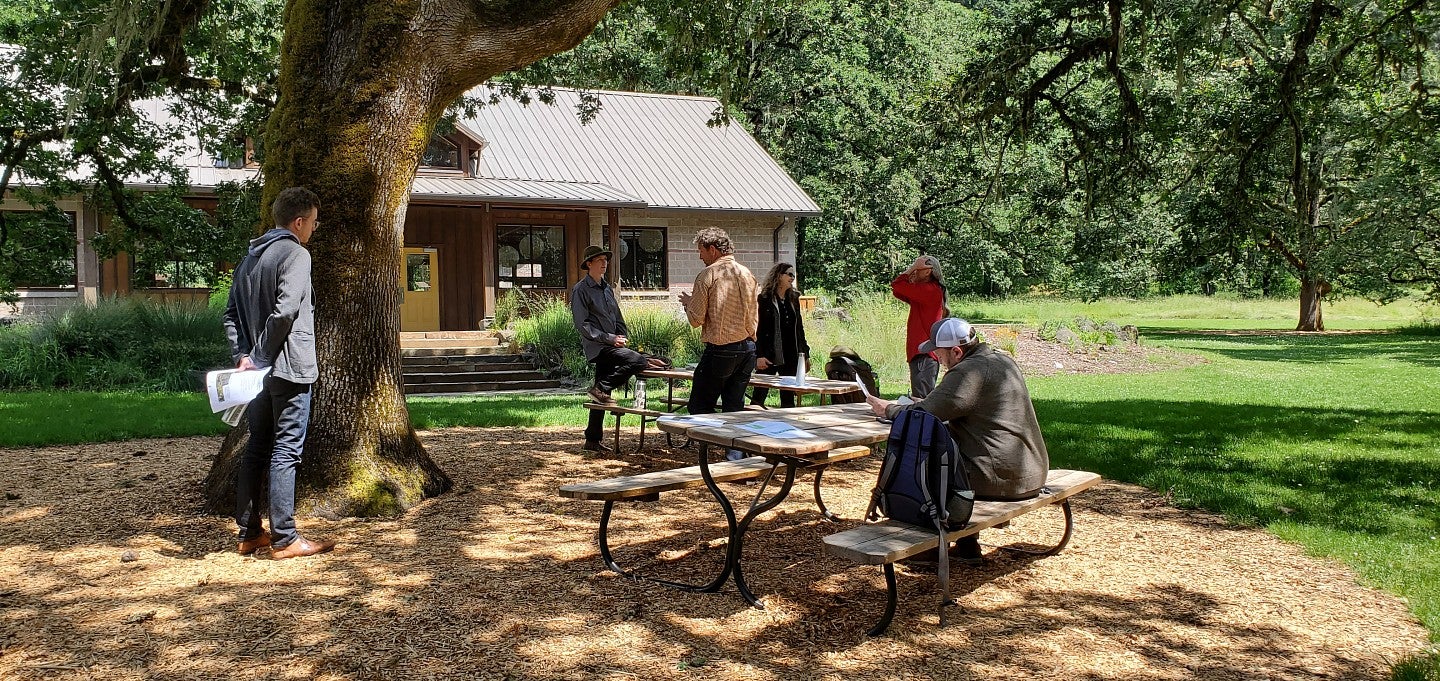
(279, 417)
(722, 374)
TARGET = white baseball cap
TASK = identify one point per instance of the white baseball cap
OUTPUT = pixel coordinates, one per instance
(950, 332)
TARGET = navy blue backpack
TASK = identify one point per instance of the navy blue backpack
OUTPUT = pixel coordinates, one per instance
(923, 483)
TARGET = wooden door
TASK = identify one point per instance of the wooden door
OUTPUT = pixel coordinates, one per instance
(420, 290)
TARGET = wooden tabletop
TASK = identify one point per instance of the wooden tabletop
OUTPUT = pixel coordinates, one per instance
(813, 386)
(833, 425)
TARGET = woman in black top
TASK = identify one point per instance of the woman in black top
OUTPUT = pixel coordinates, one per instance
(780, 339)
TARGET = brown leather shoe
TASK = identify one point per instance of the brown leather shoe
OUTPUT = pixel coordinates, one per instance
(596, 446)
(249, 546)
(301, 547)
(600, 396)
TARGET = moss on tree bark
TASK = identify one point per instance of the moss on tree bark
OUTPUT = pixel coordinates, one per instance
(362, 85)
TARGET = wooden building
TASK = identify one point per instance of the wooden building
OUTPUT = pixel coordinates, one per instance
(510, 198)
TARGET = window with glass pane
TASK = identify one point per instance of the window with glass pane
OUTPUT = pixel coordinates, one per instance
(530, 256)
(441, 153)
(643, 261)
(417, 272)
(44, 249)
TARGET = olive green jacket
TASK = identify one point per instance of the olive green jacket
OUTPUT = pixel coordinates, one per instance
(984, 402)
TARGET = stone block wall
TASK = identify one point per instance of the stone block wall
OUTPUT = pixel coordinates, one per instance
(753, 235)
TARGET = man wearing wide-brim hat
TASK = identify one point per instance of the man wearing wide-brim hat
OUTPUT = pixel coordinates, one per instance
(603, 336)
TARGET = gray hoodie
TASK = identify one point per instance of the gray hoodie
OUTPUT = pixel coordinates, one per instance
(271, 313)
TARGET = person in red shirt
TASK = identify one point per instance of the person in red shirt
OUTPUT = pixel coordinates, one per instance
(922, 287)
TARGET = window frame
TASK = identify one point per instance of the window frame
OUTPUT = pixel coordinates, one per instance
(632, 235)
(560, 273)
(74, 285)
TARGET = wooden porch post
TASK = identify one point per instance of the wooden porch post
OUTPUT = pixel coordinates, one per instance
(612, 235)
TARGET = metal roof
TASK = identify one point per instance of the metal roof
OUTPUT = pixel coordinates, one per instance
(640, 150)
(546, 192)
(659, 148)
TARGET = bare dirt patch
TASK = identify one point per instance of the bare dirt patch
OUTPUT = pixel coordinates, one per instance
(1038, 357)
(501, 579)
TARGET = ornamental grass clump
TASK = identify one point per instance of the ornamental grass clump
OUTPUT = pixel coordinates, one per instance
(1005, 338)
(117, 344)
(549, 334)
(663, 332)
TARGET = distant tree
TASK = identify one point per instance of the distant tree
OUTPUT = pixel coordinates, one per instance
(832, 88)
(72, 84)
(1205, 135)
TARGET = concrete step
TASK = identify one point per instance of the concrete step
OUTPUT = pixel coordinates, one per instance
(421, 335)
(418, 362)
(475, 387)
(449, 343)
(467, 367)
(527, 374)
(451, 351)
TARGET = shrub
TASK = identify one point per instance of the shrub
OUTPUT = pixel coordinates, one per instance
(1004, 338)
(117, 344)
(548, 333)
(1424, 327)
(220, 291)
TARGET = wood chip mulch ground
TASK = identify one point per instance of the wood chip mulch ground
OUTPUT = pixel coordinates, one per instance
(108, 571)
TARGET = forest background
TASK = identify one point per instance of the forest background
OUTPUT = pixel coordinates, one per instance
(1130, 147)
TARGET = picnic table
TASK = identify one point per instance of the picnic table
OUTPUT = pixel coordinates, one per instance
(830, 434)
(825, 429)
(821, 387)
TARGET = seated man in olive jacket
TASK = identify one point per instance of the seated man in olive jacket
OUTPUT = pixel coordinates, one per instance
(984, 401)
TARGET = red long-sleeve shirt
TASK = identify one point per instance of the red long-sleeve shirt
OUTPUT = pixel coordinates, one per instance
(927, 306)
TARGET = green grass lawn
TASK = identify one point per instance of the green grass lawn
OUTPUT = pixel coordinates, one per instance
(1329, 441)
(41, 418)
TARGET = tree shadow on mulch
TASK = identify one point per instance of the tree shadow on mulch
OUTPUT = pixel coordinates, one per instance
(502, 579)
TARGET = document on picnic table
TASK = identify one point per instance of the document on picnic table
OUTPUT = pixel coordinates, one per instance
(234, 388)
(687, 420)
(776, 429)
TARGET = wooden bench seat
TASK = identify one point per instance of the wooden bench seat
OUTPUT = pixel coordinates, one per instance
(885, 542)
(649, 486)
(620, 410)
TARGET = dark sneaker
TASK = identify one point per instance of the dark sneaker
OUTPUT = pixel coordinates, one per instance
(596, 446)
(966, 551)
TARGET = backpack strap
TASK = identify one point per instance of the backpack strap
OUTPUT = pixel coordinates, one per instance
(887, 468)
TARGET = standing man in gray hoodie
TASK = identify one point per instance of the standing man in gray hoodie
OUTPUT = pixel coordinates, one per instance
(270, 322)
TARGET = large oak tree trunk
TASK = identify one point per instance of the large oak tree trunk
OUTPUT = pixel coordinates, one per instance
(362, 85)
(1312, 291)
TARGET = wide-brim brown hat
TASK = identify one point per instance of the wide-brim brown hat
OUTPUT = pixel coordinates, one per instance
(592, 252)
